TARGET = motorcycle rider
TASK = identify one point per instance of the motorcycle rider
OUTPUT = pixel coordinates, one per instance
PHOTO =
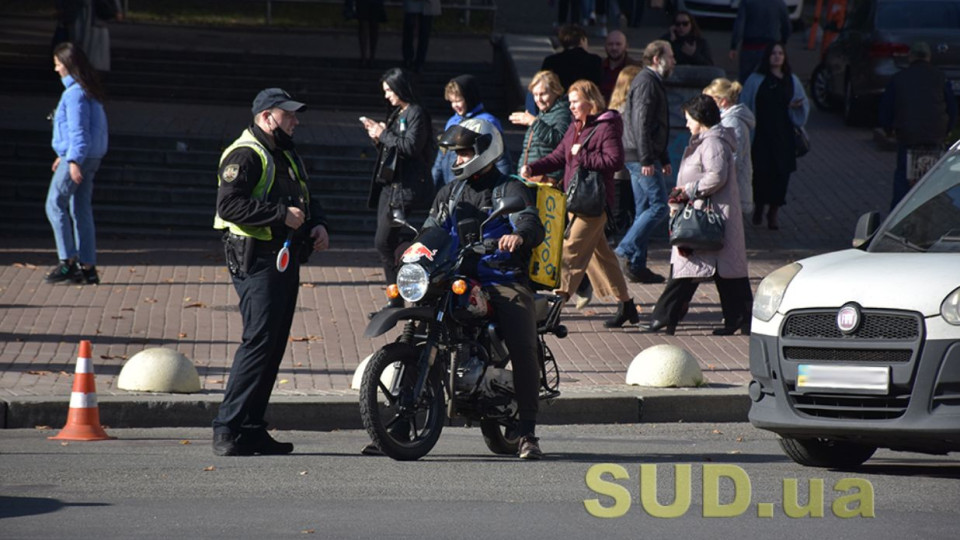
(503, 274)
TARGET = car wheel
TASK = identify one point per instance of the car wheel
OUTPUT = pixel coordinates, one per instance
(826, 453)
(820, 89)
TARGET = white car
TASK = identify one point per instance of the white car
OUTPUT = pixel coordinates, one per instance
(859, 349)
(728, 8)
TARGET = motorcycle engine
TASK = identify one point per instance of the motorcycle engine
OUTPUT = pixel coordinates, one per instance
(497, 381)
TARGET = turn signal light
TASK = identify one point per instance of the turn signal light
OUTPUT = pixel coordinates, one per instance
(459, 287)
(393, 291)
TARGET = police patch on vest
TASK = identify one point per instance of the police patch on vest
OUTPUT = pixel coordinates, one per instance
(230, 172)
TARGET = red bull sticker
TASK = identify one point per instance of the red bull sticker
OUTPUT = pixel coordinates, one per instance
(416, 252)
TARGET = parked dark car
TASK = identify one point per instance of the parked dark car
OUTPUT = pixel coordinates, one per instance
(874, 44)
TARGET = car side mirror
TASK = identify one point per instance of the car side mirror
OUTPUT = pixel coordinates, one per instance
(506, 205)
(867, 226)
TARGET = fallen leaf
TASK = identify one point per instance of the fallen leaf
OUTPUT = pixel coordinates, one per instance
(195, 304)
(299, 364)
(711, 366)
(306, 338)
(216, 381)
(127, 309)
(717, 432)
(150, 300)
(64, 444)
(303, 473)
(283, 381)
(168, 280)
(182, 335)
(42, 428)
(132, 270)
(38, 372)
(308, 531)
(210, 468)
(187, 299)
(184, 442)
(734, 452)
(28, 266)
(739, 439)
(307, 285)
(113, 357)
(116, 317)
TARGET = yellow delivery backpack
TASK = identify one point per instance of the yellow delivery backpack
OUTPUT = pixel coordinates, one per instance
(545, 260)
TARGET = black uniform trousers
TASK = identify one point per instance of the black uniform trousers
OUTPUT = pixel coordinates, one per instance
(268, 299)
(388, 238)
(514, 313)
(736, 299)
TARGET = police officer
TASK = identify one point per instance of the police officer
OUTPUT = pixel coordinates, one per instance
(263, 202)
(503, 273)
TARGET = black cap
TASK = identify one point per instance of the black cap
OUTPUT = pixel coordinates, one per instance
(276, 97)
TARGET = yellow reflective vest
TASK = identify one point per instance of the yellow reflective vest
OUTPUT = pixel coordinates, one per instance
(262, 189)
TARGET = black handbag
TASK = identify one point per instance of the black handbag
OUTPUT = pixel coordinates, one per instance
(697, 228)
(801, 141)
(586, 194)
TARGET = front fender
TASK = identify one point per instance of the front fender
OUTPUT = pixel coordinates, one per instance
(387, 318)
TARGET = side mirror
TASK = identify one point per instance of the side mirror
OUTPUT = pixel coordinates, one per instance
(468, 230)
(867, 226)
(506, 205)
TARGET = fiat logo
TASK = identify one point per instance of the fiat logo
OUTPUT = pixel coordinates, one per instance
(848, 318)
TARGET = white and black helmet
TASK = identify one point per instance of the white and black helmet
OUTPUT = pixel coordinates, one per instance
(474, 133)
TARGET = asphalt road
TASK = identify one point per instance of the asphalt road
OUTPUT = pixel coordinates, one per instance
(163, 483)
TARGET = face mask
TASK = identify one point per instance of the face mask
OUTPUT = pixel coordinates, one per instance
(280, 137)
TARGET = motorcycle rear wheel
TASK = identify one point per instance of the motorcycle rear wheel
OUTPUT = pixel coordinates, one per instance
(500, 439)
(404, 435)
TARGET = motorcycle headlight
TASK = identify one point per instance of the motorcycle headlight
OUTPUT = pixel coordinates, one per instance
(771, 290)
(950, 308)
(412, 280)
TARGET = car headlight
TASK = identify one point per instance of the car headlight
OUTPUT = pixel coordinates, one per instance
(771, 290)
(412, 280)
(950, 308)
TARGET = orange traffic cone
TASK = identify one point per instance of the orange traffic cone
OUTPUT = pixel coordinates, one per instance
(83, 418)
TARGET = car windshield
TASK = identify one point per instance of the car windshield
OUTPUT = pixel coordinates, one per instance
(918, 14)
(929, 219)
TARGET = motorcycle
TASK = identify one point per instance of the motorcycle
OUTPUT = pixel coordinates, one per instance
(450, 360)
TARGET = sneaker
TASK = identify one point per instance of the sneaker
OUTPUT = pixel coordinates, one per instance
(225, 444)
(65, 271)
(260, 442)
(87, 276)
(584, 296)
(530, 448)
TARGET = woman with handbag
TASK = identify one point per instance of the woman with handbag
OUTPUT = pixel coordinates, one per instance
(547, 128)
(776, 97)
(401, 179)
(707, 177)
(590, 153)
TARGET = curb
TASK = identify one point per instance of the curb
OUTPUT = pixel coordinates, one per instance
(324, 413)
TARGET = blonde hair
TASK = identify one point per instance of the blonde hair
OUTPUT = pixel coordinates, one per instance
(589, 92)
(619, 95)
(725, 89)
(549, 80)
(452, 91)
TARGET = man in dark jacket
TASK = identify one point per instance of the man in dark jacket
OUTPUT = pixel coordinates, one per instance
(646, 134)
(503, 273)
(263, 201)
(759, 23)
(574, 62)
(918, 104)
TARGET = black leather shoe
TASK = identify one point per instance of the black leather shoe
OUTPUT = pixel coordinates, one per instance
(626, 311)
(743, 327)
(262, 443)
(655, 326)
(225, 444)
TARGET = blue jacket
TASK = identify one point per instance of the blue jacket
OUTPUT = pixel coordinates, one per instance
(79, 125)
(443, 166)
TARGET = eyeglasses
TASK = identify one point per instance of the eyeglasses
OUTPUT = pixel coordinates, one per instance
(681, 23)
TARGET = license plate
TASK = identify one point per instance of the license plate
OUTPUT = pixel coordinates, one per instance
(849, 379)
(921, 160)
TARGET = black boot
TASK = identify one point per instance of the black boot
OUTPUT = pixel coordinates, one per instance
(626, 311)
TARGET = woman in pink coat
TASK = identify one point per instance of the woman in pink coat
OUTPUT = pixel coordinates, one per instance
(708, 170)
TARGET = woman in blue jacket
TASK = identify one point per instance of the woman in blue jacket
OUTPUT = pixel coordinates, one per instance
(80, 142)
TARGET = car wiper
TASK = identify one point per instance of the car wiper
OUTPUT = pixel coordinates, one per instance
(904, 242)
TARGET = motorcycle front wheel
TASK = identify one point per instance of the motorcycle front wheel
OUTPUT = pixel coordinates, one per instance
(403, 426)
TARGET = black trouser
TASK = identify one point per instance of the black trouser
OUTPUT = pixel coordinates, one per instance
(388, 238)
(513, 312)
(423, 24)
(736, 299)
(267, 302)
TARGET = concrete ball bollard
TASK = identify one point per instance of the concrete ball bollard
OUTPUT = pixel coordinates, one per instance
(159, 370)
(358, 374)
(664, 366)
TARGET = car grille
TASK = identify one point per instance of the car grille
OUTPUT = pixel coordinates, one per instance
(875, 326)
(883, 338)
